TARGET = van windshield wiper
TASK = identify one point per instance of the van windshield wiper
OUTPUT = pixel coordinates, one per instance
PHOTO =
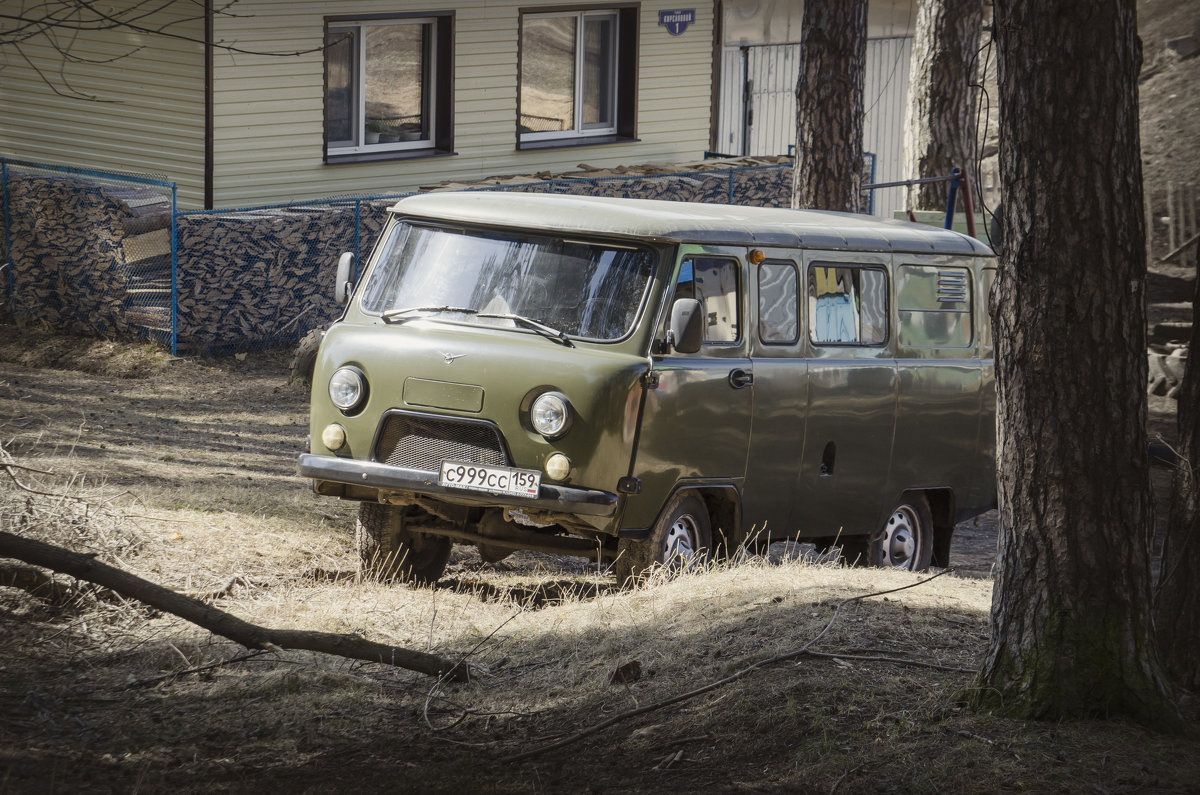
(536, 325)
(394, 315)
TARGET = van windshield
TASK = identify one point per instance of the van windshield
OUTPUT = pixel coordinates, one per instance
(585, 290)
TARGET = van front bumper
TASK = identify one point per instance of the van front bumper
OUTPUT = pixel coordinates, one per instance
(562, 499)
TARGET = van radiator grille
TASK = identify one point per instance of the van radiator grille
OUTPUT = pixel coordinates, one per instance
(424, 442)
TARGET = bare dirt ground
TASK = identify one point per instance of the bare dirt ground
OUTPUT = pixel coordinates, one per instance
(187, 466)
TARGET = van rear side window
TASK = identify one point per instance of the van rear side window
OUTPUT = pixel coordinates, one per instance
(847, 305)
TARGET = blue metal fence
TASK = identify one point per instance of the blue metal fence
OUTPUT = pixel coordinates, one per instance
(110, 254)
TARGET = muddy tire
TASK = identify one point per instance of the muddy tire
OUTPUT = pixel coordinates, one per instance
(387, 551)
(304, 357)
(906, 539)
(682, 537)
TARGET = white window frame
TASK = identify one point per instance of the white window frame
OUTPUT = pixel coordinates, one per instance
(359, 144)
(577, 129)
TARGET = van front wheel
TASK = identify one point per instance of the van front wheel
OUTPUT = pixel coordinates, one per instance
(681, 537)
(388, 550)
(906, 539)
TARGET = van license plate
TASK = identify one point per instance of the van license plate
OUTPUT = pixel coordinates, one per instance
(492, 479)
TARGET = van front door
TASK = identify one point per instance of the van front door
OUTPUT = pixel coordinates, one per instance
(695, 422)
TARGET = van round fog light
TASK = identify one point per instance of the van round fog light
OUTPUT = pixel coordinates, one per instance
(558, 467)
(333, 437)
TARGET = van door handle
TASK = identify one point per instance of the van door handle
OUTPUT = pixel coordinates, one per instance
(739, 378)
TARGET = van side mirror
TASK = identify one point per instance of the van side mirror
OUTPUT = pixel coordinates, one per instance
(687, 327)
(343, 286)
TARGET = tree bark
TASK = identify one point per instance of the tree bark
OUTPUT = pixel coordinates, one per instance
(217, 621)
(1177, 607)
(1071, 634)
(940, 116)
(829, 106)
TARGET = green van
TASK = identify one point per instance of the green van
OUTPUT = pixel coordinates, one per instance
(647, 381)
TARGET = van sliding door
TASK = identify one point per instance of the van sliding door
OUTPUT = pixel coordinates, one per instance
(851, 398)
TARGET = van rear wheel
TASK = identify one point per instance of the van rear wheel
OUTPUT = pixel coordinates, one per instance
(388, 550)
(681, 537)
(906, 539)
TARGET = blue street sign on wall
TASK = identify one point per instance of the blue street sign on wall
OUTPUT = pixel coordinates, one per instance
(676, 21)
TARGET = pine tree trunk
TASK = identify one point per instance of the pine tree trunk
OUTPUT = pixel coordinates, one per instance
(940, 116)
(829, 106)
(1071, 630)
(1177, 608)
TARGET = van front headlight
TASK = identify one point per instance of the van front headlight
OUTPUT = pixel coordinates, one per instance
(550, 414)
(348, 388)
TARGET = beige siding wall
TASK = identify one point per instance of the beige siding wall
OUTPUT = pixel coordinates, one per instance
(146, 115)
(268, 112)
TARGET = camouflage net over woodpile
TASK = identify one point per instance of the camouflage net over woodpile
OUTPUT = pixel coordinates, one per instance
(263, 278)
(751, 181)
(95, 257)
(84, 253)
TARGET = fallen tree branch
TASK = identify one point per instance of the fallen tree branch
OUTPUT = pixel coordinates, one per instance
(958, 669)
(219, 591)
(252, 636)
(195, 670)
(791, 655)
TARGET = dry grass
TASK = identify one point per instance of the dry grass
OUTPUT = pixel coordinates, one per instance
(103, 695)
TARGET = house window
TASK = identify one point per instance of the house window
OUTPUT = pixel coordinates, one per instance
(578, 71)
(387, 86)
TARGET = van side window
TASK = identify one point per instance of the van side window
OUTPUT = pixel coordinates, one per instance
(847, 305)
(713, 281)
(778, 303)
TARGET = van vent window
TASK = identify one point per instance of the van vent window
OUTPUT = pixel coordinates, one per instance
(952, 286)
(847, 305)
(934, 307)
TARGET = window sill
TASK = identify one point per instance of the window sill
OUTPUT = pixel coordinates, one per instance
(377, 157)
(582, 140)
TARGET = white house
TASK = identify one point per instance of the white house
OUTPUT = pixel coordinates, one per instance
(255, 102)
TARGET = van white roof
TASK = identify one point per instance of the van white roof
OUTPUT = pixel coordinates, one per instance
(690, 222)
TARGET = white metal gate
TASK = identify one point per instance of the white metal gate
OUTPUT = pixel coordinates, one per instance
(758, 106)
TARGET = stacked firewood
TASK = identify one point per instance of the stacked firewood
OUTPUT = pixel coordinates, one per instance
(768, 186)
(96, 257)
(80, 249)
(66, 253)
(264, 277)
